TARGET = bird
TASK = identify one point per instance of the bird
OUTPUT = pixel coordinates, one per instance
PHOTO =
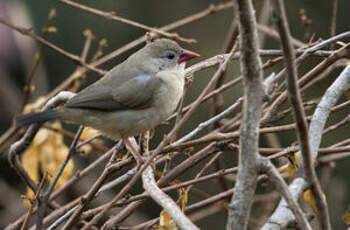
(133, 97)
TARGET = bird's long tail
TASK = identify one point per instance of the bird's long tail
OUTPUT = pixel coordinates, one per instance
(40, 117)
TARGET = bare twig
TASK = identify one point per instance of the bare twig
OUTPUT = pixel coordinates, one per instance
(44, 199)
(264, 19)
(84, 201)
(300, 118)
(28, 32)
(209, 122)
(333, 27)
(306, 53)
(33, 203)
(112, 16)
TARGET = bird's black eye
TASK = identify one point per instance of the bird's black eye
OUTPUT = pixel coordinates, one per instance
(170, 56)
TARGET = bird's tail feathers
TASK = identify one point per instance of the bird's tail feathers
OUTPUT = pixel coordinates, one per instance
(40, 117)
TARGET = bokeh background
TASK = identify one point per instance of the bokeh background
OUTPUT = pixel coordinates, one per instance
(17, 58)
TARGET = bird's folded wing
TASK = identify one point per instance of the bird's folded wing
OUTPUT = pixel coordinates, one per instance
(136, 93)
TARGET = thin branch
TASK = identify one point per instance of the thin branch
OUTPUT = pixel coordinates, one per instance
(89, 37)
(29, 32)
(84, 200)
(44, 199)
(264, 19)
(61, 219)
(209, 122)
(300, 117)
(212, 9)
(333, 27)
(33, 203)
(113, 16)
(306, 53)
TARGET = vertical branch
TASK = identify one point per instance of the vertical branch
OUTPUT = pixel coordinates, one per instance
(44, 200)
(33, 203)
(299, 116)
(333, 21)
(264, 20)
(251, 67)
(218, 100)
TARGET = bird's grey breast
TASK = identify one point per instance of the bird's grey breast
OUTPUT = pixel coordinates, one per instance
(170, 91)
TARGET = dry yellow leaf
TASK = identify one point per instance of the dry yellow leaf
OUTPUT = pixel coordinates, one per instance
(346, 217)
(35, 106)
(49, 151)
(183, 198)
(87, 134)
(50, 29)
(310, 200)
(308, 197)
(165, 220)
(52, 14)
(291, 167)
(122, 157)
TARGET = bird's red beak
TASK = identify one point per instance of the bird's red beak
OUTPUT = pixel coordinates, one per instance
(187, 55)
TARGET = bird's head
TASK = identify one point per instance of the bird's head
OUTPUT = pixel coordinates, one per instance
(166, 54)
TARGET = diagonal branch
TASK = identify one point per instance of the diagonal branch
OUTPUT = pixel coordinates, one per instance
(150, 185)
(29, 32)
(45, 198)
(282, 187)
(300, 117)
(113, 16)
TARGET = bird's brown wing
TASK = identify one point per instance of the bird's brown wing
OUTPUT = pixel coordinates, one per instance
(136, 93)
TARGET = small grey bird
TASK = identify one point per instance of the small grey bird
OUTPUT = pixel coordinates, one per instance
(133, 97)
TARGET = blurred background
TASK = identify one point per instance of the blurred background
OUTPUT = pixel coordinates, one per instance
(17, 57)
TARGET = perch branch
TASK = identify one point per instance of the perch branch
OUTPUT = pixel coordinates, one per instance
(150, 185)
